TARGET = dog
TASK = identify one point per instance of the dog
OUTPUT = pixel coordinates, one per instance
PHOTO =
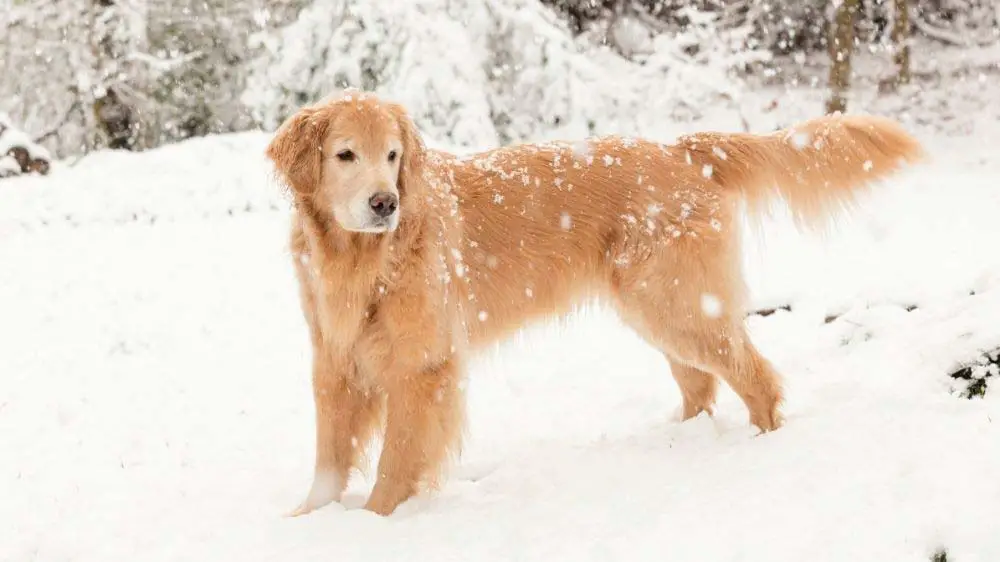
(409, 259)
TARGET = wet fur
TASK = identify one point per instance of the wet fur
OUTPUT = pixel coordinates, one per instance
(490, 241)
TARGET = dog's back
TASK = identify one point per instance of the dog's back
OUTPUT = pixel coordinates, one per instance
(548, 225)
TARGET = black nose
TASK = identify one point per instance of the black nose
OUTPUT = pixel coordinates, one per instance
(384, 203)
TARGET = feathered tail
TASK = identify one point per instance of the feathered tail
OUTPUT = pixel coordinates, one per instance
(818, 167)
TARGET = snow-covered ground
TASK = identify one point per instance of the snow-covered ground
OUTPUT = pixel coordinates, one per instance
(155, 402)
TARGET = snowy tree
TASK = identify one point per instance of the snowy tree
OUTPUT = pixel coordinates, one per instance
(200, 49)
(959, 22)
(46, 60)
(901, 40)
(129, 73)
(117, 37)
(134, 74)
(841, 48)
(478, 72)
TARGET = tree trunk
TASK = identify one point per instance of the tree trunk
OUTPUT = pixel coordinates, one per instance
(901, 41)
(841, 46)
(114, 114)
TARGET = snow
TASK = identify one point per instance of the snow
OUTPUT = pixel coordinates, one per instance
(711, 305)
(565, 221)
(15, 138)
(9, 166)
(155, 403)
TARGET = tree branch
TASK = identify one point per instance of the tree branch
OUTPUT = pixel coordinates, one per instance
(949, 36)
(62, 122)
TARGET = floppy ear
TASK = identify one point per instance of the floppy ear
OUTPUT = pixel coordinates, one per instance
(297, 150)
(411, 165)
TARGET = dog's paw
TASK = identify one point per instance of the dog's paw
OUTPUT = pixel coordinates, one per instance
(327, 487)
(770, 422)
(302, 509)
(306, 508)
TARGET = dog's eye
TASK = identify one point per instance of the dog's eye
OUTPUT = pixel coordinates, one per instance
(392, 155)
(346, 156)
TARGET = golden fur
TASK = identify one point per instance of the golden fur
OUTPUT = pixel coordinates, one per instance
(487, 242)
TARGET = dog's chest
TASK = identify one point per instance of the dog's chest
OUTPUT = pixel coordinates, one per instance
(347, 298)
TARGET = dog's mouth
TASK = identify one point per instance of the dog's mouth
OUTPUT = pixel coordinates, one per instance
(378, 225)
(364, 221)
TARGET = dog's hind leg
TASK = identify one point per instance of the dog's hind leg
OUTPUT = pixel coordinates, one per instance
(698, 388)
(688, 302)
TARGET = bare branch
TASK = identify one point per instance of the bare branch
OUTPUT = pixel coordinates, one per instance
(62, 122)
(163, 66)
(949, 36)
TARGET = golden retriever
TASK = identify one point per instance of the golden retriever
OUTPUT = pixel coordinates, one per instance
(408, 259)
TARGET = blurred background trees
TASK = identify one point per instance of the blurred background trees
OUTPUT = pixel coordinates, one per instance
(80, 75)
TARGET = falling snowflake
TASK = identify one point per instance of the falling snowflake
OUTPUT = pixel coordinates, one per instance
(711, 305)
(799, 139)
(565, 221)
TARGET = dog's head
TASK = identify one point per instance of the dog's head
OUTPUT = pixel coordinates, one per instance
(352, 157)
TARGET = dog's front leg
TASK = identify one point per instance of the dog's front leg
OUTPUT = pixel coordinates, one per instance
(424, 424)
(345, 419)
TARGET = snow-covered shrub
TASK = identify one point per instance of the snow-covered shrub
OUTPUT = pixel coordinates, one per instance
(974, 377)
(478, 72)
(19, 154)
(419, 50)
